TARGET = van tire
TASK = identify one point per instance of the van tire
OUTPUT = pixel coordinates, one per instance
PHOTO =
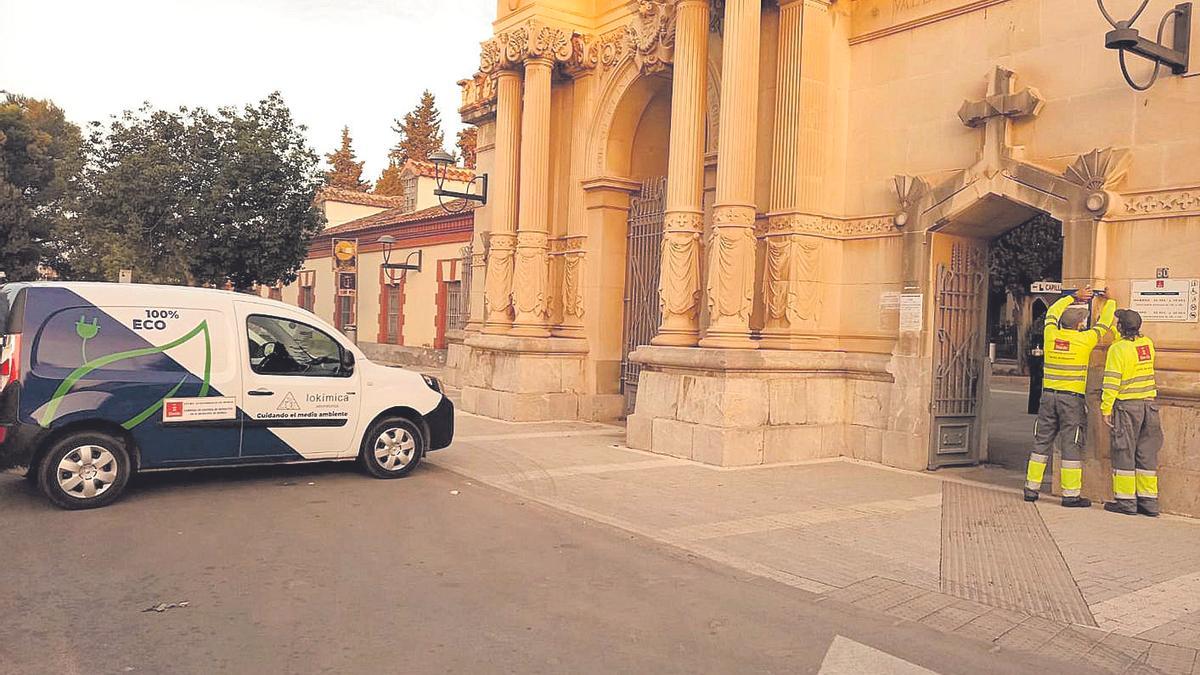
(382, 461)
(96, 455)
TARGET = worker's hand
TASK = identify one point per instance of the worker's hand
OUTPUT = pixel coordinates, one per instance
(1108, 421)
(1085, 294)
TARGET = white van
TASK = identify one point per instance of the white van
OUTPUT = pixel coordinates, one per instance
(98, 381)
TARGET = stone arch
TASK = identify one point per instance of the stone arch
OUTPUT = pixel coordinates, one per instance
(618, 105)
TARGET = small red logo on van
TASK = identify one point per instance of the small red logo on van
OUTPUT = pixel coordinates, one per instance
(1143, 352)
(1062, 345)
(174, 409)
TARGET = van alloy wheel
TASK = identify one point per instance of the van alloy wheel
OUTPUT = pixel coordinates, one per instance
(87, 471)
(395, 448)
(392, 447)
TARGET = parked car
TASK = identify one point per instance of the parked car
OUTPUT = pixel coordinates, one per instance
(99, 381)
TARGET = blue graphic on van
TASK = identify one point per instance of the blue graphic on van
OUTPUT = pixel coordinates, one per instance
(87, 331)
(127, 385)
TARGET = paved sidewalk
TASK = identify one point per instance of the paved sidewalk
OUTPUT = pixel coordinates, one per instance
(1121, 593)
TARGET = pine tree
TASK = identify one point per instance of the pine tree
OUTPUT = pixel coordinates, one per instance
(346, 173)
(389, 183)
(466, 146)
(420, 132)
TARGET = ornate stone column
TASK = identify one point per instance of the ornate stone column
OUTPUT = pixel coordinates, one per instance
(531, 266)
(679, 276)
(503, 194)
(791, 295)
(732, 246)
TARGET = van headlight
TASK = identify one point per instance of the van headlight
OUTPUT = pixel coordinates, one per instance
(432, 382)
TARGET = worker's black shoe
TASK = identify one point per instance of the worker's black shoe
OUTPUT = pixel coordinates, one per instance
(1121, 507)
(1148, 508)
(1031, 495)
(1076, 502)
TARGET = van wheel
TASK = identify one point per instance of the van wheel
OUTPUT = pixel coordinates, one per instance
(392, 448)
(85, 470)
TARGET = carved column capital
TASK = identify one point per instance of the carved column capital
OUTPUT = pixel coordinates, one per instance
(651, 35)
(530, 40)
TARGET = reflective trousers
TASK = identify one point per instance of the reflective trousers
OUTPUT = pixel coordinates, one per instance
(1137, 436)
(1063, 416)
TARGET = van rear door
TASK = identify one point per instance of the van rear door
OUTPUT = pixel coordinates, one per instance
(298, 387)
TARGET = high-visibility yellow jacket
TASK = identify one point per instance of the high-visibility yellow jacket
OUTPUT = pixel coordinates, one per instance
(1128, 372)
(1068, 351)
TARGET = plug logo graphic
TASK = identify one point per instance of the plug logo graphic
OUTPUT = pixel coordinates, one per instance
(86, 331)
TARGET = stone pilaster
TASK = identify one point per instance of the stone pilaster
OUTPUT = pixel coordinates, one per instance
(732, 246)
(791, 293)
(679, 276)
(573, 255)
(503, 194)
(531, 269)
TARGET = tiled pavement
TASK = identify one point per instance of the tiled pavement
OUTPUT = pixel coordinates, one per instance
(875, 538)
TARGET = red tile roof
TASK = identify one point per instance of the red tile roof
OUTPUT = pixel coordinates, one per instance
(427, 169)
(398, 217)
(331, 194)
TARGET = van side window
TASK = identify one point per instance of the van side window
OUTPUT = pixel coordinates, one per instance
(287, 347)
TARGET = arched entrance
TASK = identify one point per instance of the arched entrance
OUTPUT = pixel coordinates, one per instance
(625, 202)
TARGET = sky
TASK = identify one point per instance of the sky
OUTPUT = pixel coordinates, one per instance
(360, 63)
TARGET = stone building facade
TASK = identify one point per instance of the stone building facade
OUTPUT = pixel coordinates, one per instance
(822, 179)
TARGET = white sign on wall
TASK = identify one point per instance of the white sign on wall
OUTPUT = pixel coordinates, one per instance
(1046, 287)
(1166, 299)
(912, 312)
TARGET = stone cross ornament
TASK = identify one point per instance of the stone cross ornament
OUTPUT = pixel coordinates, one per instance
(996, 111)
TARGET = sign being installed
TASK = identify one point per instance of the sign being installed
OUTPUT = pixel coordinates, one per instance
(1165, 299)
(1046, 287)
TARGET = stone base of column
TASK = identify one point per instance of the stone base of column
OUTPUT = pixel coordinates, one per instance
(786, 339)
(522, 379)
(731, 340)
(529, 330)
(733, 407)
(675, 339)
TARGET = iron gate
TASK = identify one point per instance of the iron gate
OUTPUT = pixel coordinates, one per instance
(643, 248)
(958, 353)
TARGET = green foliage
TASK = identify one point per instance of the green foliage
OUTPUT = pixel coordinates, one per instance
(40, 157)
(389, 183)
(195, 197)
(420, 132)
(345, 173)
(1027, 253)
(466, 146)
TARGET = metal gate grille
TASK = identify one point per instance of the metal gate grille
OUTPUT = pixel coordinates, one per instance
(458, 297)
(959, 322)
(643, 248)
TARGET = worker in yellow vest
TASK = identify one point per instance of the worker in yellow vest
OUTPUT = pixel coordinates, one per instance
(1131, 413)
(1062, 412)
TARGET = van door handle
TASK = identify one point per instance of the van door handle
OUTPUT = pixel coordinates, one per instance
(260, 392)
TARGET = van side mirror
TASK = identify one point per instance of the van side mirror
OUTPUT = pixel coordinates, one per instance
(347, 362)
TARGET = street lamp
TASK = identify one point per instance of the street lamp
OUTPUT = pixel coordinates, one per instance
(442, 161)
(389, 267)
(1124, 37)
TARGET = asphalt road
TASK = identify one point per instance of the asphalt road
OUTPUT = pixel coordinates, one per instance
(320, 569)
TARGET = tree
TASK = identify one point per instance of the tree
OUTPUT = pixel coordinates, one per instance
(389, 183)
(195, 197)
(39, 161)
(466, 145)
(345, 172)
(1029, 252)
(420, 132)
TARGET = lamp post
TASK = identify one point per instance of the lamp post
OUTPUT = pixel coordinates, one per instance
(442, 161)
(390, 268)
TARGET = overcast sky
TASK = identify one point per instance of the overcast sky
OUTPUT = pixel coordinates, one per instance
(355, 62)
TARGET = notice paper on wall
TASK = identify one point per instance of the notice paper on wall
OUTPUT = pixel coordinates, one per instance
(912, 312)
(1166, 299)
